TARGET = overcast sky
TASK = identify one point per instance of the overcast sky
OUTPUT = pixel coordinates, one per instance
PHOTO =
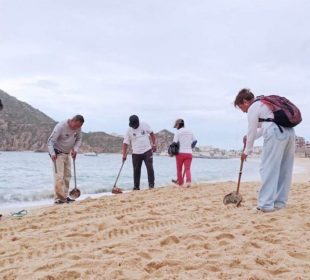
(160, 59)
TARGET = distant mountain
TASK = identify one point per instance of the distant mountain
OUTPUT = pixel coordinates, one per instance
(24, 128)
(164, 139)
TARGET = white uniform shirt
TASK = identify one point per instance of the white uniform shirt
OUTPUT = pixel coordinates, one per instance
(255, 128)
(185, 138)
(139, 138)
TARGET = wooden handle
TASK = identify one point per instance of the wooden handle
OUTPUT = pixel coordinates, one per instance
(240, 171)
(74, 173)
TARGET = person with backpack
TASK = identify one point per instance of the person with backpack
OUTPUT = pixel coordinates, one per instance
(138, 135)
(272, 117)
(185, 141)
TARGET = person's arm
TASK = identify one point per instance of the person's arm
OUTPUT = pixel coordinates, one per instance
(126, 143)
(77, 145)
(175, 138)
(52, 141)
(194, 141)
(153, 139)
(253, 115)
(125, 151)
(152, 136)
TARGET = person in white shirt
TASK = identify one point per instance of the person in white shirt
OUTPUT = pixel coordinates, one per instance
(66, 138)
(138, 135)
(278, 151)
(187, 142)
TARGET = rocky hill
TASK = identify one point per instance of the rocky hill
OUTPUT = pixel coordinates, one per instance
(21, 126)
(24, 128)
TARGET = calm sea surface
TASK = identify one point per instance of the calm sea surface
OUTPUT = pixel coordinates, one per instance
(27, 176)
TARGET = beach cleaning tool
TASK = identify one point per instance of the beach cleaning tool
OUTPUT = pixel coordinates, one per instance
(115, 189)
(235, 197)
(55, 166)
(75, 193)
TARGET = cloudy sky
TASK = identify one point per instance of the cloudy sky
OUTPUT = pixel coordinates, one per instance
(160, 59)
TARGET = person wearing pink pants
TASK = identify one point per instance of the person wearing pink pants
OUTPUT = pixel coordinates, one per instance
(187, 142)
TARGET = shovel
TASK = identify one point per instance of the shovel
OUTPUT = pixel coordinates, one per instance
(235, 197)
(115, 189)
(75, 193)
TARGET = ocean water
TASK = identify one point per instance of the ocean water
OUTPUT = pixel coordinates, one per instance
(27, 178)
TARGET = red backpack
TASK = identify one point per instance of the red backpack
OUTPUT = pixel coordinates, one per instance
(286, 114)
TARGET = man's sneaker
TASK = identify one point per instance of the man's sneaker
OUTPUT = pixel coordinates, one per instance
(151, 187)
(136, 188)
(59, 201)
(69, 200)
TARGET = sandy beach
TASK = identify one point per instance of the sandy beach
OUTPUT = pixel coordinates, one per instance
(166, 233)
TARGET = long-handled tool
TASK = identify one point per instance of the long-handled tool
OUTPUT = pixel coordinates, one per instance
(55, 166)
(235, 197)
(115, 189)
(75, 193)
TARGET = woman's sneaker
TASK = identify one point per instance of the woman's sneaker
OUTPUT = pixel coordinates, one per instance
(265, 210)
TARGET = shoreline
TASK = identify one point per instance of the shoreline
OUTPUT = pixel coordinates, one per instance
(301, 175)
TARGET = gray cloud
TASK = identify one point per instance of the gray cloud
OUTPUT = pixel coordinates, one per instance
(159, 59)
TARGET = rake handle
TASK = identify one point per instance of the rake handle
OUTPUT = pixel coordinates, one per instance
(55, 166)
(239, 178)
(119, 173)
(74, 173)
(240, 172)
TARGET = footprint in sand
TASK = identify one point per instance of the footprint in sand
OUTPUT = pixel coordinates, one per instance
(225, 236)
(255, 245)
(145, 255)
(170, 240)
(278, 271)
(223, 243)
(299, 256)
(307, 225)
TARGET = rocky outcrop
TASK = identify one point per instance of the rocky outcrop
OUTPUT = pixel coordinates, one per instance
(164, 139)
(22, 127)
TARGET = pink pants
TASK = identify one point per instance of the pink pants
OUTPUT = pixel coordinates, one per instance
(186, 160)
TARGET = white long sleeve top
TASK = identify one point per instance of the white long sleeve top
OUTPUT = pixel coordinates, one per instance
(255, 128)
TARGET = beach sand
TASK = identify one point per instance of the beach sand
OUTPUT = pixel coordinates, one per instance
(165, 233)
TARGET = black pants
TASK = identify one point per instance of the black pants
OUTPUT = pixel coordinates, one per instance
(137, 160)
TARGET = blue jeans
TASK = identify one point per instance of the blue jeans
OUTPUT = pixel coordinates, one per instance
(276, 167)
